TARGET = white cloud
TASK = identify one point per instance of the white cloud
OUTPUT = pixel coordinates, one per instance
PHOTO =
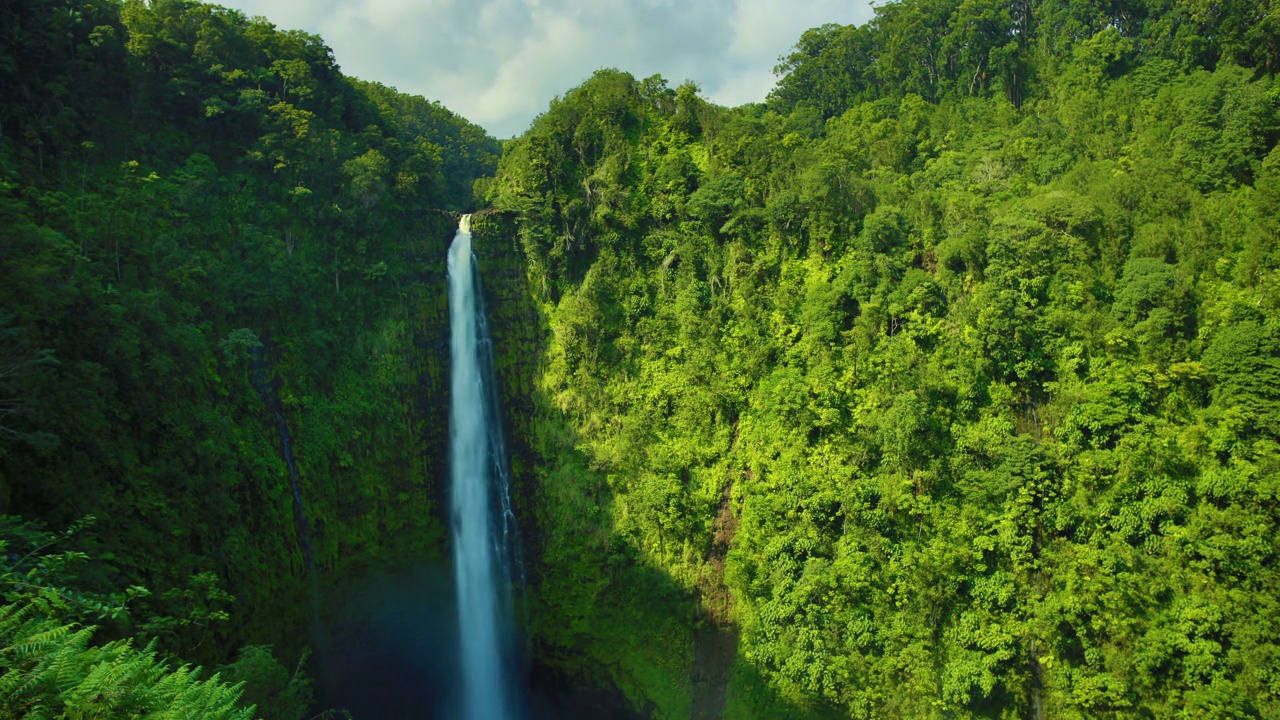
(499, 62)
(747, 86)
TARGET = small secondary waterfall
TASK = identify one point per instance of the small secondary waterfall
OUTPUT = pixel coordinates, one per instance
(302, 528)
(486, 561)
(301, 525)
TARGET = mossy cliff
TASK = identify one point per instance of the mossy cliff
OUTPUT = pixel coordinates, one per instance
(596, 616)
(943, 384)
(952, 407)
(222, 241)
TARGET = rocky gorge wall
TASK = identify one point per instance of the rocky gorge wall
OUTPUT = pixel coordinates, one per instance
(605, 630)
(518, 330)
(371, 444)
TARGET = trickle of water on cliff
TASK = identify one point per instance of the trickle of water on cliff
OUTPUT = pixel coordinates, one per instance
(484, 547)
(269, 397)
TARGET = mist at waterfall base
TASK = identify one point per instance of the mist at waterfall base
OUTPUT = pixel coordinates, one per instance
(389, 652)
(438, 639)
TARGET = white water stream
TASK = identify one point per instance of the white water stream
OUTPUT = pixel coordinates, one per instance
(483, 531)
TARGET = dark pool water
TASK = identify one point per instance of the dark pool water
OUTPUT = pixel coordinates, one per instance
(386, 649)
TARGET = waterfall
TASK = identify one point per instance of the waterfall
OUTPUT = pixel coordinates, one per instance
(486, 561)
(302, 528)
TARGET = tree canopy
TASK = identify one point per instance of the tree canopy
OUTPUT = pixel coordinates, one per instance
(945, 376)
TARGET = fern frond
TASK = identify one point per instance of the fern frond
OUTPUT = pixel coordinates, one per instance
(50, 670)
(68, 662)
(25, 647)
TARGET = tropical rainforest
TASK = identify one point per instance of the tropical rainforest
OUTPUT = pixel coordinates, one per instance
(943, 383)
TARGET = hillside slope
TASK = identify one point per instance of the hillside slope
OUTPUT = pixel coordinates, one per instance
(215, 244)
(916, 396)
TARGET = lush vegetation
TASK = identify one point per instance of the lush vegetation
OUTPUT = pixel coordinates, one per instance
(943, 384)
(210, 238)
(949, 376)
(52, 666)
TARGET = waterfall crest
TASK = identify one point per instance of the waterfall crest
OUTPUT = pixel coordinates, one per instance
(486, 560)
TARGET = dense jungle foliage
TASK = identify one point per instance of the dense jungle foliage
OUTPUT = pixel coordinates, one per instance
(943, 384)
(211, 241)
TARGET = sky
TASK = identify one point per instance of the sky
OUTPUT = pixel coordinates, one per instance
(499, 63)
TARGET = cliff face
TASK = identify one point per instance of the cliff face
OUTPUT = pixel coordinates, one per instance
(369, 436)
(204, 262)
(604, 629)
(381, 482)
(910, 396)
(519, 333)
(168, 421)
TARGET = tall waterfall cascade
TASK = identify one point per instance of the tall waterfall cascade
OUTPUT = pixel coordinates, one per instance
(485, 554)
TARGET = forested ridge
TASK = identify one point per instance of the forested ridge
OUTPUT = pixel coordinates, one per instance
(211, 242)
(945, 383)
(942, 384)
